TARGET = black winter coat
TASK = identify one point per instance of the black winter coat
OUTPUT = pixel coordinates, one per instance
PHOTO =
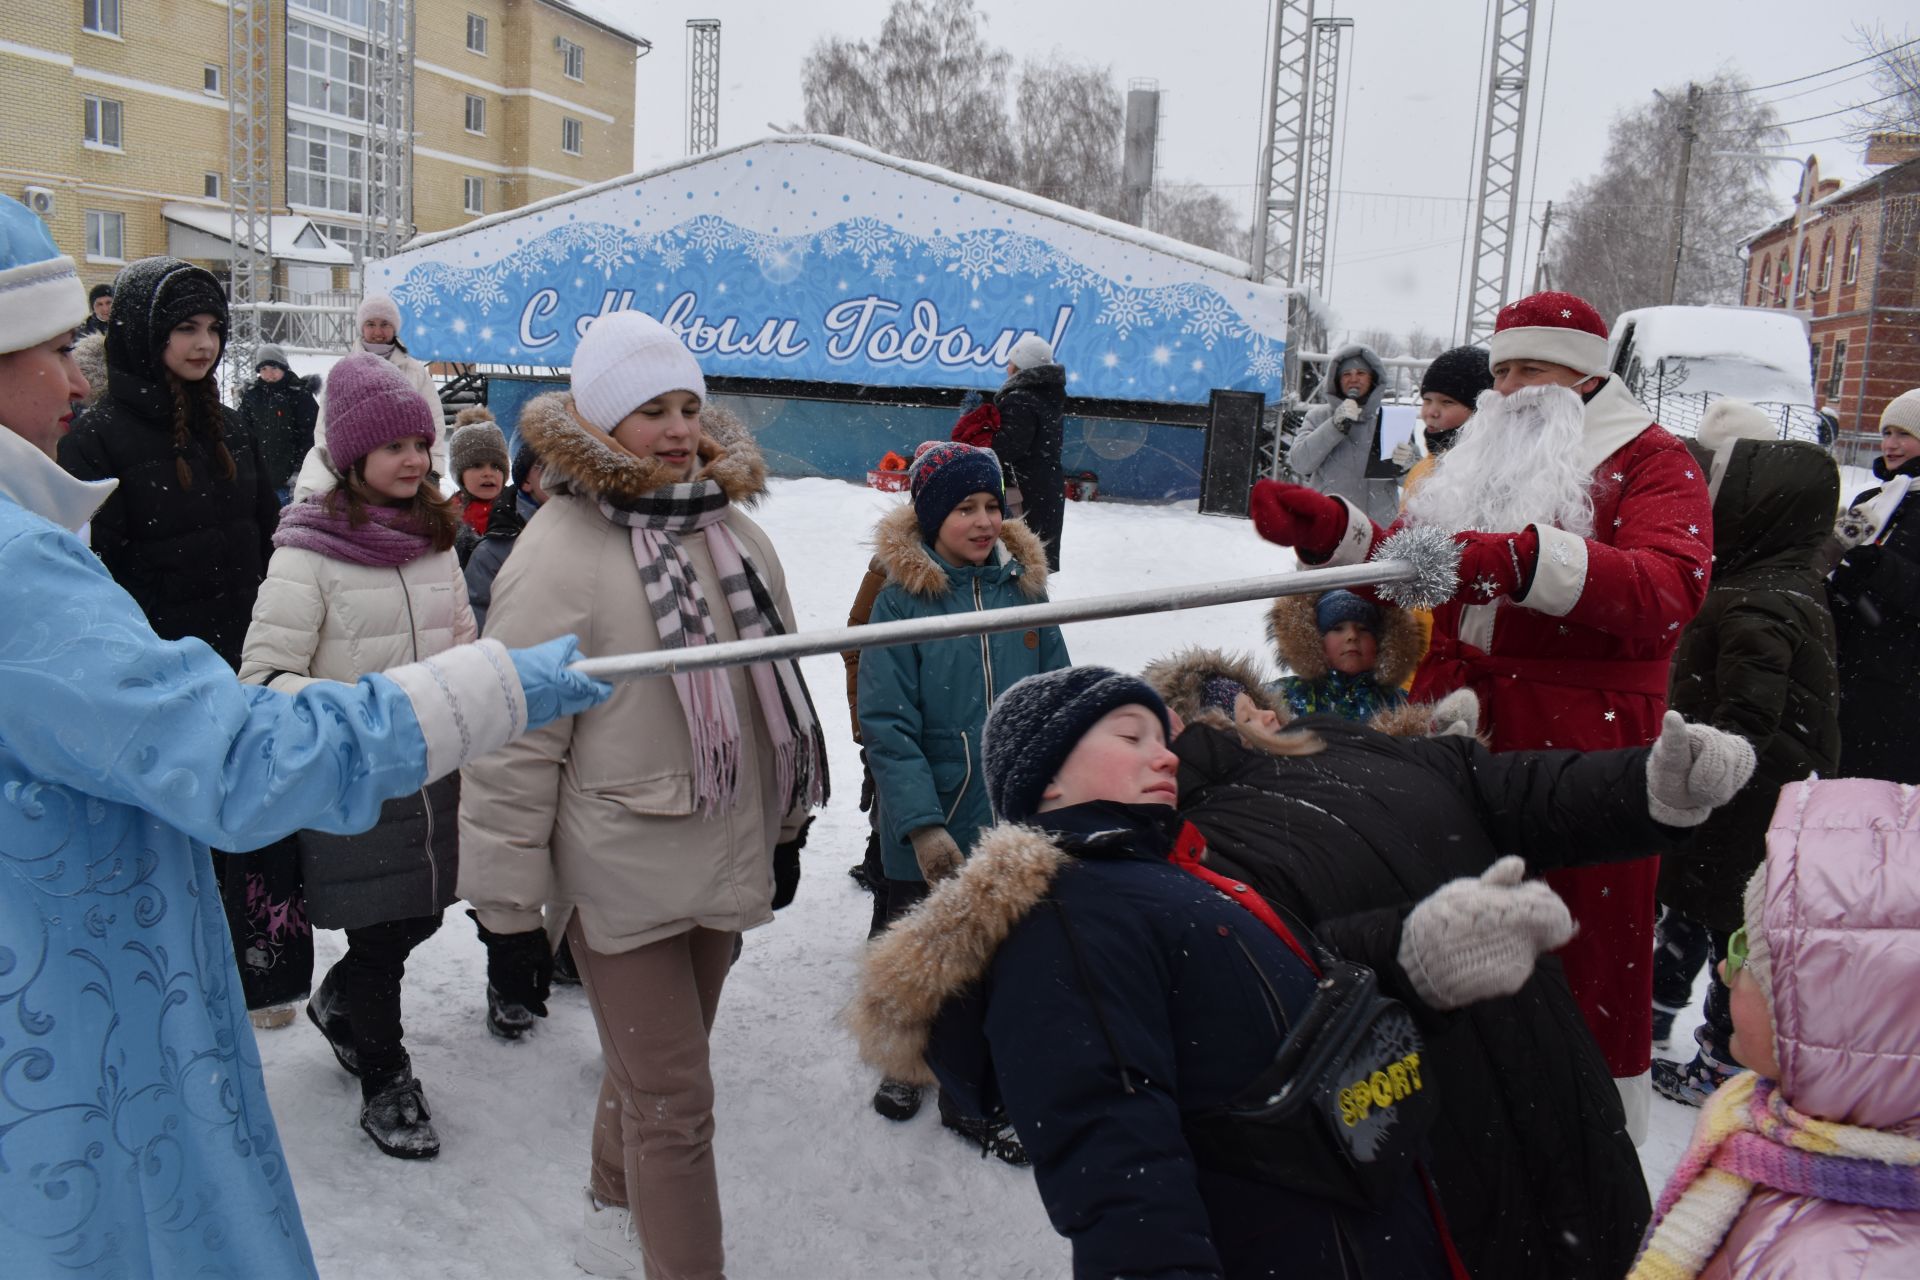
(1758, 660)
(1876, 614)
(1033, 406)
(510, 514)
(1530, 1154)
(192, 558)
(1096, 1081)
(402, 868)
(281, 416)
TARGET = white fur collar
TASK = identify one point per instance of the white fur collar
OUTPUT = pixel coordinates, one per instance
(1613, 419)
(39, 484)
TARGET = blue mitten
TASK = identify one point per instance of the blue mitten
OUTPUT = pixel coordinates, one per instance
(552, 689)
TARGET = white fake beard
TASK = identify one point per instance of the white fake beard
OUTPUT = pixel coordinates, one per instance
(1517, 463)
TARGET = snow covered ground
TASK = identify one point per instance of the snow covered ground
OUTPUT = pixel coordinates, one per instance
(814, 1183)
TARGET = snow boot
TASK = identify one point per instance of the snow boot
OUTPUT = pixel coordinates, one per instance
(506, 1019)
(897, 1100)
(395, 1114)
(271, 1019)
(565, 972)
(994, 1137)
(328, 1011)
(607, 1245)
(1693, 1084)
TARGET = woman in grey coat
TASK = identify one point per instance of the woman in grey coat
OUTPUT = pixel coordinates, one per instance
(1338, 449)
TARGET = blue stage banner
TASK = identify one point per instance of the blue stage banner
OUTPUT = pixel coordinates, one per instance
(819, 260)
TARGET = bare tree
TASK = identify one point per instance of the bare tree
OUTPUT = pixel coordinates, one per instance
(1067, 121)
(1613, 246)
(1892, 99)
(1419, 342)
(1199, 216)
(1379, 341)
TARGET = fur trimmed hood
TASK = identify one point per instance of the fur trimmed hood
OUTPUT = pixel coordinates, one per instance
(906, 559)
(945, 945)
(1180, 679)
(580, 458)
(1296, 640)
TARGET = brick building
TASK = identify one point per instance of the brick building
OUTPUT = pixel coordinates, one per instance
(1849, 258)
(118, 122)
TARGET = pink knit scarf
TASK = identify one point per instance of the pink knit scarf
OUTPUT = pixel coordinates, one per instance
(388, 538)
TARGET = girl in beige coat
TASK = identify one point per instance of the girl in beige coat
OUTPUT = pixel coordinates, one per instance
(364, 578)
(653, 822)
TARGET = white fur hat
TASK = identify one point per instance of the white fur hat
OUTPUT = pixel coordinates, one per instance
(1031, 352)
(626, 359)
(1727, 421)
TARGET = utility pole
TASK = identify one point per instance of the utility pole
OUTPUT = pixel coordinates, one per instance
(1540, 260)
(1688, 132)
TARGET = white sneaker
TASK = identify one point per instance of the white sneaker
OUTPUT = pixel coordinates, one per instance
(607, 1245)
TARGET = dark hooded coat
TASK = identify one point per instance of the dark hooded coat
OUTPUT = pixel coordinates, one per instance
(1530, 1154)
(1876, 615)
(1033, 407)
(281, 416)
(1758, 660)
(193, 558)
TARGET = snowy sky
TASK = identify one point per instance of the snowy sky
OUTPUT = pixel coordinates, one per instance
(1401, 192)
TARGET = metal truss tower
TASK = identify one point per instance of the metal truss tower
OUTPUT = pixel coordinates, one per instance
(1276, 215)
(389, 203)
(703, 85)
(1323, 92)
(1504, 130)
(249, 177)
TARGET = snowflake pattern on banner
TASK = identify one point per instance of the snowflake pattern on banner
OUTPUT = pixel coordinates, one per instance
(911, 309)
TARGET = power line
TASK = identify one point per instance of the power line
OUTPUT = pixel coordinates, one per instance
(1812, 75)
(1837, 111)
(1818, 88)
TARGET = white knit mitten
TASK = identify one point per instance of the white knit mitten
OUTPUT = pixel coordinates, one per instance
(1693, 769)
(1478, 937)
(1457, 715)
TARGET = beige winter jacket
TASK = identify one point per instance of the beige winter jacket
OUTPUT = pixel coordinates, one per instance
(596, 813)
(317, 618)
(316, 472)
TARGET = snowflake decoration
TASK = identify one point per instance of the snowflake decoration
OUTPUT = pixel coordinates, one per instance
(673, 257)
(1694, 529)
(485, 290)
(1673, 626)
(1616, 522)
(882, 268)
(975, 257)
(1486, 586)
(1689, 475)
(1699, 573)
(867, 237)
(1126, 309)
(709, 234)
(1211, 319)
(1566, 313)
(1265, 362)
(1610, 717)
(609, 249)
(1618, 477)
(1073, 276)
(829, 244)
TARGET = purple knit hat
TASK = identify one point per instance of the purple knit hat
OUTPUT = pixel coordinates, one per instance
(369, 404)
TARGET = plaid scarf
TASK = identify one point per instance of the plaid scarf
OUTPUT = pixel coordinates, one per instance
(658, 521)
(1749, 1137)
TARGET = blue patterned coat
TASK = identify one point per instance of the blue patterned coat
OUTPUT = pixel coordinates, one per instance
(135, 1137)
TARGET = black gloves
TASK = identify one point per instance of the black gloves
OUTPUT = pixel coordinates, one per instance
(786, 866)
(1855, 573)
(519, 966)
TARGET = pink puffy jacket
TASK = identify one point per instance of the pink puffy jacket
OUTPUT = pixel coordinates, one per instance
(1843, 922)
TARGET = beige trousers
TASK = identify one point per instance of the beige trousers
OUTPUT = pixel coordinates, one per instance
(653, 1130)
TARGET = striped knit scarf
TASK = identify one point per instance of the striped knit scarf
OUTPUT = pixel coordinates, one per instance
(657, 522)
(1749, 1137)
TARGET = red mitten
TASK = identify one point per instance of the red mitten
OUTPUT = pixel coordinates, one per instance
(1293, 515)
(1496, 564)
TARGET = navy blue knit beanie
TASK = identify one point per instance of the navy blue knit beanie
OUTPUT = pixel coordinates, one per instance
(1337, 607)
(945, 474)
(524, 460)
(1036, 724)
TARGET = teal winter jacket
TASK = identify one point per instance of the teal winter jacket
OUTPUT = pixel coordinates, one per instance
(922, 705)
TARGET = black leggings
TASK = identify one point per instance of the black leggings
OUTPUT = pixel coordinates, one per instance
(366, 981)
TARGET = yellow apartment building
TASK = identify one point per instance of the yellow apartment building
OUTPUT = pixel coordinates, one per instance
(118, 122)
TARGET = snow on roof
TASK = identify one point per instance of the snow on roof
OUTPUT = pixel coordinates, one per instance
(291, 236)
(611, 14)
(1010, 196)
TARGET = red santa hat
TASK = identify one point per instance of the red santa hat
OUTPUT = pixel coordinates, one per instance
(1559, 328)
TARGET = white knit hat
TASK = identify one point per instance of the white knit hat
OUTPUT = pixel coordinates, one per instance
(1903, 413)
(1031, 352)
(41, 296)
(626, 359)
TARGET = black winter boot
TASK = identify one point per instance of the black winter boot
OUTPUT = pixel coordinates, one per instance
(897, 1100)
(993, 1137)
(395, 1115)
(327, 1010)
(506, 1019)
(564, 971)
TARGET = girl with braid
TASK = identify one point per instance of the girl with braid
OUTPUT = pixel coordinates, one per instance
(189, 530)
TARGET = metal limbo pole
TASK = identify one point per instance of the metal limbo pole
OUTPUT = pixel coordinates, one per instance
(1414, 570)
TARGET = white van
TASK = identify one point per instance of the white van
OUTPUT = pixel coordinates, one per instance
(1678, 360)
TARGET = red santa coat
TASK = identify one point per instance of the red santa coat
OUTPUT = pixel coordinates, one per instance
(1579, 661)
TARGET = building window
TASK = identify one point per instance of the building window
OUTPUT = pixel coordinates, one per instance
(102, 127)
(1780, 292)
(572, 136)
(476, 114)
(473, 195)
(106, 236)
(351, 12)
(1826, 265)
(476, 34)
(1851, 273)
(573, 59)
(1800, 272)
(1765, 296)
(210, 78)
(326, 168)
(210, 185)
(326, 71)
(102, 17)
(1837, 375)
